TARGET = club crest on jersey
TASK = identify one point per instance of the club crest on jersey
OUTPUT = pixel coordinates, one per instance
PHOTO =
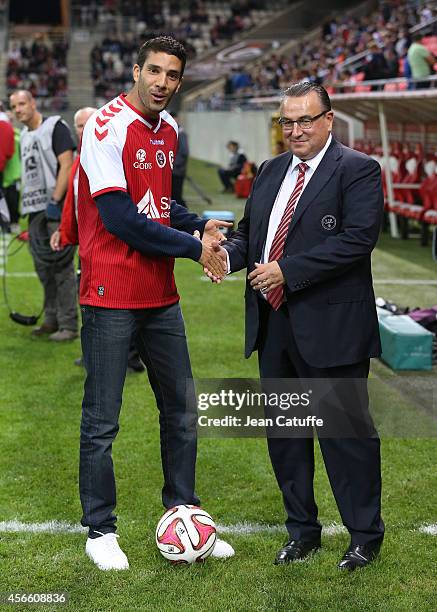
(160, 158)
(141, 160)
(171, 159)
(146, 206)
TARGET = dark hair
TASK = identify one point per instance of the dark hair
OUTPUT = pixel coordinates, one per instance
(234, 143)
(298, 90)
(163, 44)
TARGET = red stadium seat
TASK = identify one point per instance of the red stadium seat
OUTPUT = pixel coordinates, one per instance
(243, 182)
(362, 88)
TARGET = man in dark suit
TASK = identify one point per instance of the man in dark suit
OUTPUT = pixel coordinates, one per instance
(309, 227)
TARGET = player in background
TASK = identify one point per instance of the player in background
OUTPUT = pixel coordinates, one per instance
(66, 234)
(129, 233)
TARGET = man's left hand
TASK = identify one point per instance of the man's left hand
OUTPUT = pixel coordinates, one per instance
(266, 277)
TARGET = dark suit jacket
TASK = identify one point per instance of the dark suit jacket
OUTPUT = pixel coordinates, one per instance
(326, 259)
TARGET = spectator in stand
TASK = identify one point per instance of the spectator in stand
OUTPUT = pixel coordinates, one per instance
(180, 164)
(376, 65)
(421, 62)
(321, 60)
(392, 64)
(236, 162)
(40, 66)
(240, 78)
(187, 23)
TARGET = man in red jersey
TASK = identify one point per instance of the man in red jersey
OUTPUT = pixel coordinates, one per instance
(129, 234)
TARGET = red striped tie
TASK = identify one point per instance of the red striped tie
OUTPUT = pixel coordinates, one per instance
(276, 296)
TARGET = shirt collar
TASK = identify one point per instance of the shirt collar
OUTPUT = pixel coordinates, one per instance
(314, 161)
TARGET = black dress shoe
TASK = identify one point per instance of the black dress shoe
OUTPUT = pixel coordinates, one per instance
(295, 550)
(359, 555)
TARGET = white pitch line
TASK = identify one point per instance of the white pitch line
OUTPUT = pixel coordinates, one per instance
(18, 274)
(245, 528)
(47, 527)
(428, 529)
(391, 281)
(404, 281)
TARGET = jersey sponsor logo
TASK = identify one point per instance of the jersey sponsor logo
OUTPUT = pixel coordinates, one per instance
(147, 206)
(141, 155)
(161, 159)
(171, 159)
(158, 141)
(141, 163)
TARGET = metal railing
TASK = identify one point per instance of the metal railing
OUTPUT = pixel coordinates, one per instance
(270, 98)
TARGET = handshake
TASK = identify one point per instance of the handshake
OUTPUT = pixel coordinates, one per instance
(213, 257)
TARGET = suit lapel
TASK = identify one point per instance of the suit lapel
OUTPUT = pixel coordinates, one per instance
(268, 196)
(321, 176)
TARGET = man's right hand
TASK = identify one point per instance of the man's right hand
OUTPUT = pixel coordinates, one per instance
(55, 241)
(213, 260)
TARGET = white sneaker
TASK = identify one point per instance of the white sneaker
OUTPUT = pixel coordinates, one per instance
(222, 550)
(106, 553)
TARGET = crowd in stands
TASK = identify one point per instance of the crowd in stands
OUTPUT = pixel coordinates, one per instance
(200, 26)
(382, 38)
(39, 65)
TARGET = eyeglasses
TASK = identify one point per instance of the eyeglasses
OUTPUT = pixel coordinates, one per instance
(305, 123)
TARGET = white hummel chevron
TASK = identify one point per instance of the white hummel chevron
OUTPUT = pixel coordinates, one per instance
(147, 206)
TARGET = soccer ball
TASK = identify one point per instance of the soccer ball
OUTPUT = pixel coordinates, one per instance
(186, 534)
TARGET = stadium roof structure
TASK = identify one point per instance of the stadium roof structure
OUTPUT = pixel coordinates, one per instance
(419, 106)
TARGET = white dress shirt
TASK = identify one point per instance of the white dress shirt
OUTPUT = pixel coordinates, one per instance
(283, 196)
(287, 187)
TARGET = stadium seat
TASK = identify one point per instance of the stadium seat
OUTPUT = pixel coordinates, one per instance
(243, 182)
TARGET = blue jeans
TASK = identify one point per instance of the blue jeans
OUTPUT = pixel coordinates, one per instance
(160, 336)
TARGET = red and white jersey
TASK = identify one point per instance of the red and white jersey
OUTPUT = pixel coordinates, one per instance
(122, 150)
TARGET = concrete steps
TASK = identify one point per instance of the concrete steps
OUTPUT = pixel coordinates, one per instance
(80, 85)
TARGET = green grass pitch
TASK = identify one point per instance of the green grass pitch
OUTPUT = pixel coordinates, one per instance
(40, 399)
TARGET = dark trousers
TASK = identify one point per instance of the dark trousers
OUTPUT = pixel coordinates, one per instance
(160, 337)
(226, 176)
(56, 274)
(353, 464)
(177, 187)
(12, 199)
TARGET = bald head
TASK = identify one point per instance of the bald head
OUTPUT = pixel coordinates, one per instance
(23, 106)
(81, 116)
